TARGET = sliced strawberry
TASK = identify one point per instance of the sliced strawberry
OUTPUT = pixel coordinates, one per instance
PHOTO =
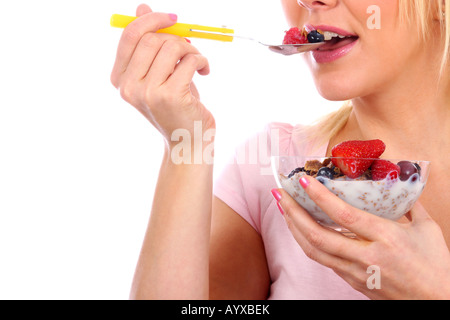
(354, 157)
(382, 168)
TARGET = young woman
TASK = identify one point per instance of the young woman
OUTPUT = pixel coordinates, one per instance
(234, 243)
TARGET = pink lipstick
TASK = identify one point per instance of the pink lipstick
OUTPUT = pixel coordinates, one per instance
(338, 43)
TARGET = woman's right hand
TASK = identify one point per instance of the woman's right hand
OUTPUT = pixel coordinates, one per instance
(154, 73)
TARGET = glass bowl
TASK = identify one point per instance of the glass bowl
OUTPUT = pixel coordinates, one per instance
(390, 198)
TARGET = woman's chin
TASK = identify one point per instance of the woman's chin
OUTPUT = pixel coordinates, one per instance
(339, 83)
(336, 93)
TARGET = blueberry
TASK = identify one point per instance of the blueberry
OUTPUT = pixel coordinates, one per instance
(326, 173)
(315, 36)
(419, 169)
(321, 180)
(297, 170)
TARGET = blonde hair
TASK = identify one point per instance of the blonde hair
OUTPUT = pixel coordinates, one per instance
(421, 13)
(414, 12)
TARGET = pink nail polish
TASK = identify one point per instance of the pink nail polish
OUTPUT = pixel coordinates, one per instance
(280, 208)
(276, 194)
(304, 182)
(187, 40)
(173, 16)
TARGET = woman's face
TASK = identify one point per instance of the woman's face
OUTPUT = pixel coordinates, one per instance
(377, 50)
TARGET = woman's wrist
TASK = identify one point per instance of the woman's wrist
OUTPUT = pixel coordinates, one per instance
(191, 147)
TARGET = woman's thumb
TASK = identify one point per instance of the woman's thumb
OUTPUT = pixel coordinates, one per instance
(142, 9)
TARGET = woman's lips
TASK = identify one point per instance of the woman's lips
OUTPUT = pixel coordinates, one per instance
(330, 52)
(335, 48)
(342, 32)
(336, 43)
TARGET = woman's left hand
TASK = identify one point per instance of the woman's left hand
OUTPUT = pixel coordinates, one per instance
(387, 259)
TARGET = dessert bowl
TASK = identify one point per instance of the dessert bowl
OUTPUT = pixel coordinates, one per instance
(391, 197)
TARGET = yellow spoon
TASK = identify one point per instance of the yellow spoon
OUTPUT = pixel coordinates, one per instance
(181, 29)
(222, 34)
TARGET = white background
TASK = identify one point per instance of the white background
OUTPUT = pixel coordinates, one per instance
(78, 165)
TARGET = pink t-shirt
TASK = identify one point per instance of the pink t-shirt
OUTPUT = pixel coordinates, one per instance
(245, 185)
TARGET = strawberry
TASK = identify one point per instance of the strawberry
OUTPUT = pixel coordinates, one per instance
(355, 151)
(383, 168)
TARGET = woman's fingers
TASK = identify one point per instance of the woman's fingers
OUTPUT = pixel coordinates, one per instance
(321, 244)
(172, 55)
(312, 247)
(143, 56)
(363, 224)
(146, 51)
(187, 67)
(132, 35)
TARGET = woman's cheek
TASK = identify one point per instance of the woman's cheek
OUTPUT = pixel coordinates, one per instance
(295, 15)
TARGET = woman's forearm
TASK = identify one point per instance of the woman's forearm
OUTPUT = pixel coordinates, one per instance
(154, 72)
(174, 259)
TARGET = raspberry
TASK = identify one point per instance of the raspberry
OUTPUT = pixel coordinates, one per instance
(382, 168)
(295, 36)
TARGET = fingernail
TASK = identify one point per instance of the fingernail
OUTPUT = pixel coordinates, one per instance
(304, 182)
(280, 208)
(187, 40)
(276, 194)
(173, 16)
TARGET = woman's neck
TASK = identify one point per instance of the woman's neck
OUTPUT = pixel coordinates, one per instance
(413, 120)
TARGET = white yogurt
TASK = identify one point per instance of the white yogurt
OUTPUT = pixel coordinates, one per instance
(387, 198)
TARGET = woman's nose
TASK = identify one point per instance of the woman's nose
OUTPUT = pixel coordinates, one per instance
(314, 5)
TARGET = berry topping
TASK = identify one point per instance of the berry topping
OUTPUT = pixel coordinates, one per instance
(382, 168)
(295, 36)
(407, 169)
(297, 170)
(315, 36)
(326, 173)
(362, 154)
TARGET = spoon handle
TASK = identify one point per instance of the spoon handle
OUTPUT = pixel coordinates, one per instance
(181, 29)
